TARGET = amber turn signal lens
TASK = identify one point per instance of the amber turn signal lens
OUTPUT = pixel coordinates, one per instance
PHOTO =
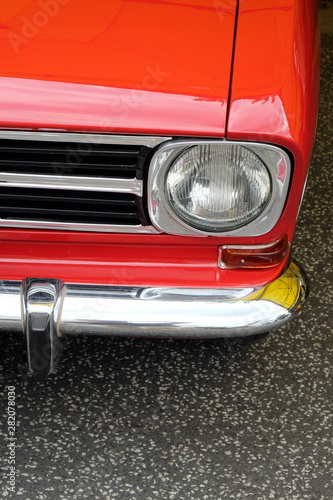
(253, 256)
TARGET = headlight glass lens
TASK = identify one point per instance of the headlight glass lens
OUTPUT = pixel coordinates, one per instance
(217, 187)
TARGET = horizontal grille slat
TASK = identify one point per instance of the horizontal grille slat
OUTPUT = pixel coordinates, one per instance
(74, 182)
(68, 213)
(82, 170)
(25, 198)
(62, 215)
(8, 145)
(81, 164)
(20, 160)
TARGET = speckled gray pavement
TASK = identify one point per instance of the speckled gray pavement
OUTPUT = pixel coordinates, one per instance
(164, 419)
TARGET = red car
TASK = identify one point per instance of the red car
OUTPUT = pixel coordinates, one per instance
(153, 160)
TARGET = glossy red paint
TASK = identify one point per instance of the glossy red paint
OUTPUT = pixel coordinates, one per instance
(156, 260)
(35, 105)
(275, 84)
(79, 72)
(138, 67)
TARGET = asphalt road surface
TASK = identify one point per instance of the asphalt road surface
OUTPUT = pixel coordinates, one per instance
(164, 419)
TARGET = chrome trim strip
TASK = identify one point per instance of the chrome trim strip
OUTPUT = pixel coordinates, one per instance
(149, 141)
(68, 226)
(101, 184)
(168, 312)
(166, 220)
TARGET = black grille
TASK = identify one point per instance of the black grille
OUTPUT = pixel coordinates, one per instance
(56, 205)
(73, 158)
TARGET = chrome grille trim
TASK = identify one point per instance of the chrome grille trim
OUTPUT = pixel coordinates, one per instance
(64, 136)
(64, 226)
(102, 184)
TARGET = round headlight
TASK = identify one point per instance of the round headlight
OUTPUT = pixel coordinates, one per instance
(217, 187)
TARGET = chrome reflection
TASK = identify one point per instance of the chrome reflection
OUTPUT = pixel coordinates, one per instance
(101, 184)
(149, 141)
(44, 346)
(166, 312)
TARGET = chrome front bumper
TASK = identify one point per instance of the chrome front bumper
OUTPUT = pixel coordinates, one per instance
(158, 312)
(48, 310)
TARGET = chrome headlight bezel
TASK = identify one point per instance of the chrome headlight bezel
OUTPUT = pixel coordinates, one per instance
(165, 219)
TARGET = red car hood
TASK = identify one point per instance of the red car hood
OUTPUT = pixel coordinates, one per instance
(135, 66)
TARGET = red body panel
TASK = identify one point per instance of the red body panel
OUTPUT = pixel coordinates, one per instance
(78, 72)
(275, 84)
(164, 67)
(156, 260)
(26, 104)
(121, 43)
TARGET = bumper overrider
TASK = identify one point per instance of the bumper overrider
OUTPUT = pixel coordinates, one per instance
(46, 311)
